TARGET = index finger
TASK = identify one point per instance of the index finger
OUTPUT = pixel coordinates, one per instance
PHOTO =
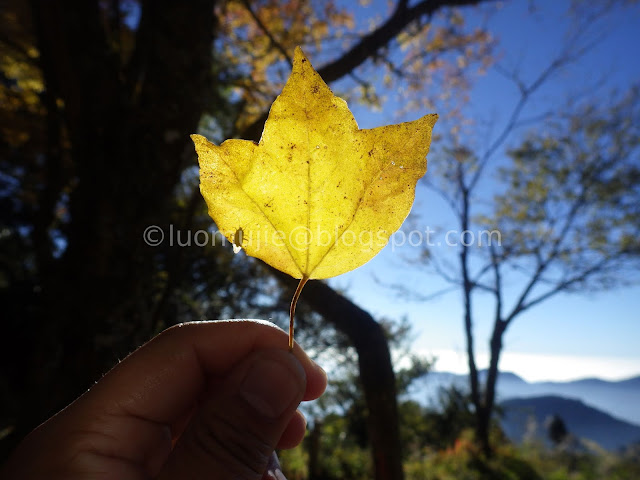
(163, 379)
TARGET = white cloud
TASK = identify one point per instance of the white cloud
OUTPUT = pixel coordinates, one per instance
(542, 367)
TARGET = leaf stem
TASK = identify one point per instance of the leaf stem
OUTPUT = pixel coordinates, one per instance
(292, 309)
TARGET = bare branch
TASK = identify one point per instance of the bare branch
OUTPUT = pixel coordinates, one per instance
(512, 76)
(544, 263)
(403, 293)
(442, 272)
(483, 287)
(481, 272)
(495, 263)
(523, 122)
(526, 93)
(564, 285)
(565, 58)
(443, 194)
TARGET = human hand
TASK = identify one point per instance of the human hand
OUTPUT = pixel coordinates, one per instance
(201, 400)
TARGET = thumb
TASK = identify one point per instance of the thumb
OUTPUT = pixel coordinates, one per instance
(238, 425)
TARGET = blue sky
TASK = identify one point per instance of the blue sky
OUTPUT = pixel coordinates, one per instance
(572, 335)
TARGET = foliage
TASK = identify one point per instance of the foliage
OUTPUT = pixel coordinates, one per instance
(344, 395)
(296, 461)
(463, 460)
(431, 452)
(257, 37)
(447, 423)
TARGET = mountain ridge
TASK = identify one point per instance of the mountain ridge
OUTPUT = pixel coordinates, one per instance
(618, 398)
(524, 418)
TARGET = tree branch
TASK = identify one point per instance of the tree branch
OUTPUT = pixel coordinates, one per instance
(370, 45)
(495, 264)
(411, 295)
(566, 284)
(385, 33)
(376, 369)
(563, 59)
(442, 272)
(481, 273)
(277, 45)
(467, 288)
(544, 264)
(443, 194)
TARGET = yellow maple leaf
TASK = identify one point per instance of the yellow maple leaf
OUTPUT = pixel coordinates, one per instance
(316, 197)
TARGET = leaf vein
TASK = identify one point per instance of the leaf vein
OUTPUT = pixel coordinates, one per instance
(355, 211)
(264, 214)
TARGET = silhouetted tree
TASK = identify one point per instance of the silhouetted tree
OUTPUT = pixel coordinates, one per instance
(566, 219)
(556, 429)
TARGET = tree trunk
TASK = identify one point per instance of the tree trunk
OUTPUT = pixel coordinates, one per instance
(314, 450)
(484, 420)
(376, 373)
(483, 416)
(126, 130)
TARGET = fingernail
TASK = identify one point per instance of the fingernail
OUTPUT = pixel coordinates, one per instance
(274, 471)
(270, 387)
(275, 475)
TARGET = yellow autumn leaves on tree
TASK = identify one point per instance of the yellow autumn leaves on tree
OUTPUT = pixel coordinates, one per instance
(316, 197)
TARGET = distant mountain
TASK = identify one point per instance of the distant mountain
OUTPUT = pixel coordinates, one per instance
(620, 399)
(525, 417)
